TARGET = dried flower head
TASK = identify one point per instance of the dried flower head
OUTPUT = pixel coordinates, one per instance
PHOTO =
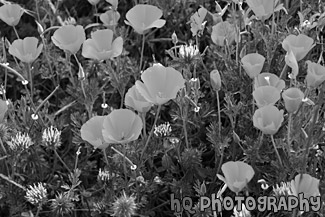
(51, 137)
(61, 205)
(36, 194)
(124, 206)
(163, 130)
(21, 141)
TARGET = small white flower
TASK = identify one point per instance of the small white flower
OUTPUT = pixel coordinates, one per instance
(283, 189)
(105, 175)
(188, 51)
(51, 137)
(36, 194)
(20, 141)
(163, 129)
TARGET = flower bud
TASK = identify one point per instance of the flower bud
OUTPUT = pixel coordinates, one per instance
(174, 38)
(215, 80)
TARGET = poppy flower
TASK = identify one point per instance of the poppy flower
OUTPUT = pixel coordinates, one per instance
(93, 2)
(237, 175)
(3, 109)
(110, 18)
(306, 184)
(263, 9)
(160, 84)
(91, 131)
(292, 99)
(300, 45)
(291, 61)
(266, 95)
(253, 64)
(11, 14)
(69, 38)
(144, 17)
(121, 126)
(268, 119)
(221, 31)
(315, 74)
(26, 49)
(136, 101)
(215, 80)
(269, 79)
(196, 20)
(101, 45)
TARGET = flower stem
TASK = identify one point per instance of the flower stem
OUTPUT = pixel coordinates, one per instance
(15, 30)
(124, 165)
(142, 50)
(273, 19)
(12, 181)
(105, 157)
(283, 70)
(60, 159)
(126, 158)
(276, 151)
(143, 117)
(288, 133)
(185, 132)
(151, 132)
(219, 115)
(310, 136)
(82, 78)
(38, 209)
(31, 81)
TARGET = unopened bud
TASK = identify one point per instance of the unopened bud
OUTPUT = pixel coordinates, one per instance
(174, 38)
(81, 73)
(215, 80)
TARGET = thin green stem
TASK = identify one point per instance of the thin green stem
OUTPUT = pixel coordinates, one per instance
(219, 115)
(124, 165)
(3, 147)
(12, 181)
(237, 33)
(221, 159)
(60, 159)
(273, 19)
(105, 157)
(151, 132)
(143, 117)
(77, 158)
(276, 151)
(126, 158)
(285, 67)
(82, 78)
(142, 50)
(38, 209)
(185, 131)
(31, 81)
(310, 136)
(288, 133)
(15, 30)
(6, 70)
(253, 105)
